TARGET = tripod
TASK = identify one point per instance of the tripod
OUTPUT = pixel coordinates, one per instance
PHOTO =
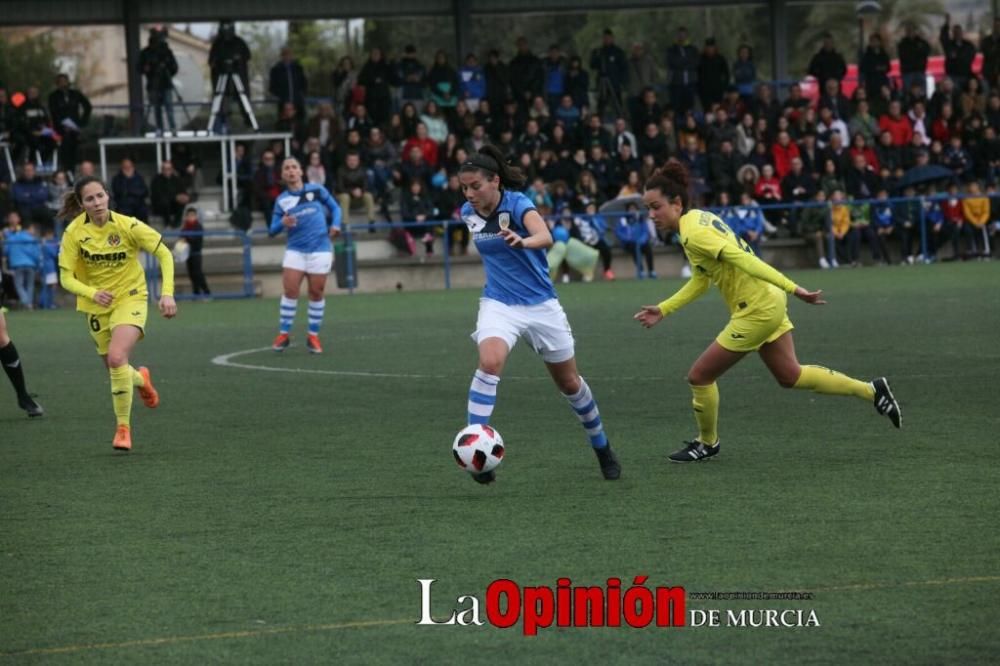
(605, 93)
(180, 102)
(220, 92)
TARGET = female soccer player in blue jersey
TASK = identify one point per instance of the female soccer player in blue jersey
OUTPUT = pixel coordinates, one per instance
(518, 300)
(756, 295)
(299, 210)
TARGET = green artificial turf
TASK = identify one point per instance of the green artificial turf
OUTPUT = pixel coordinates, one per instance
(284, 517)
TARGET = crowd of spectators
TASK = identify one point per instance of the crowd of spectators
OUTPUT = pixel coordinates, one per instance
(391, 139)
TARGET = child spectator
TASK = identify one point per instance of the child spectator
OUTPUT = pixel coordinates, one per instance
(24, 257)
(906, 216)
(937, 229)
(50, 270)
(750, 225)
(882, 216)
(861, 223)
(193, 232)
(976, 210)
(845, 236)
(633, 233)
(954, 220)
(814, 224)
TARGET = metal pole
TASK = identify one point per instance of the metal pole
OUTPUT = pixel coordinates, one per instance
(778, 14)
(234, 183)
(923, 230)
(463, 28)
(135, 101)
(447, 254)
(159, 157)
(247, 265)
(349, 258)
(225, 180)
(104, 162)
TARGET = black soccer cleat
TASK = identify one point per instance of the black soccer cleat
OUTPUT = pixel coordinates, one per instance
(694, 451)
(485, 478)
(885, 403)
(28, 404)
(610, 467)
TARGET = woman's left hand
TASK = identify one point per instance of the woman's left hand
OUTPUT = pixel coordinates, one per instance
(512, 239)
(334, 232)
(812, 297)
(168, 306)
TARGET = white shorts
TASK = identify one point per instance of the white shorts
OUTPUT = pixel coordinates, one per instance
(543, 326)
(51, 278)
(313, 263)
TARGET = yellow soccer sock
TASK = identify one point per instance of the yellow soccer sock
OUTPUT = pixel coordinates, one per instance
(121, 393)
(137, 379)
(823, 380)
(706, 412)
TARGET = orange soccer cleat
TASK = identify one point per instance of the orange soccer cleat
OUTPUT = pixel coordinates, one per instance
(281, 342)
(123, 438)
(149, 396)
(313, 344)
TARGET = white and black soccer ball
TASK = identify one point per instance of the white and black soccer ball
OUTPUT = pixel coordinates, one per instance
(478, 448)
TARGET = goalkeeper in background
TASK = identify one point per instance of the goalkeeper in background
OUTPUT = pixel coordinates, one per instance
(99, 262)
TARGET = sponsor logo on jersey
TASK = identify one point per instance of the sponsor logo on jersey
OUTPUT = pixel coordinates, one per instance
(105, 256)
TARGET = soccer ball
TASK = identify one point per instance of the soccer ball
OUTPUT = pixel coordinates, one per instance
(478, 448)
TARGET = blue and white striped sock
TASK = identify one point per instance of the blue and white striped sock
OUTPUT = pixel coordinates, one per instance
(287, 313)
(316, 310)
(482, 397)
(585, 406)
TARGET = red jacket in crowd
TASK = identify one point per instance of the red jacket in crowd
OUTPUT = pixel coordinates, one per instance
(870, 157)
(783, 157)
(428, 147)
(900, 128)
(952, 209)
(768, 189)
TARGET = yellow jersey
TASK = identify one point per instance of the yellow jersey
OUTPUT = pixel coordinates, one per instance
(96, 258)
(720, 257)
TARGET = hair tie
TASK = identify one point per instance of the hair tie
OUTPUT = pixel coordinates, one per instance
(480, 161)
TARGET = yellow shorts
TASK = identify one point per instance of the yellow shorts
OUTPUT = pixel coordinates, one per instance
(127, 313)
(748, 331)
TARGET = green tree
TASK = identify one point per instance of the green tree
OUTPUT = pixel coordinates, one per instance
(318, 46)
(809, 23)
(30, 61)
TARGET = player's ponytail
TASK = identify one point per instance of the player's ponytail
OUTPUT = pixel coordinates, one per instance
(491, 162)
(672, 180)
(72, 203)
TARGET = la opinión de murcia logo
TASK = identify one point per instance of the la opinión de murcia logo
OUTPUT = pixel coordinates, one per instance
(637, 606)
(539, 607)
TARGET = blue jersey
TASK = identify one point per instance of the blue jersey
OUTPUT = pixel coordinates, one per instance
(883, 216)
(513, 276)
(310, 233)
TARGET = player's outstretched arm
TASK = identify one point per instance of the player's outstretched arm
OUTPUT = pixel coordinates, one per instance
(650, 315)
